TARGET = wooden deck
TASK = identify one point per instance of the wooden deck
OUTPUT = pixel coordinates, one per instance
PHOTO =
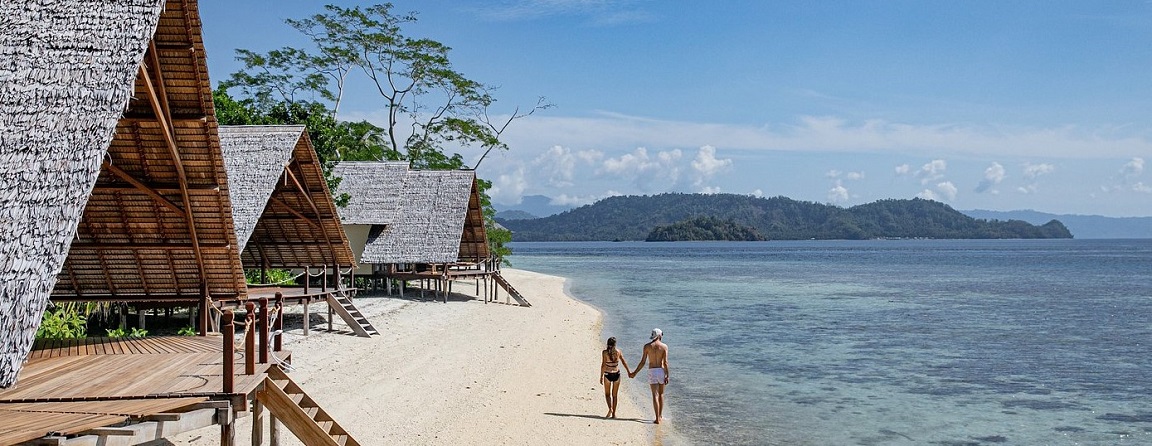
(72, 386)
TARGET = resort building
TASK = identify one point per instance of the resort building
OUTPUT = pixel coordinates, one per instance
(113, 188)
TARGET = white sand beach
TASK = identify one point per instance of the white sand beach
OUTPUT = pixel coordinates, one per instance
(464, 372)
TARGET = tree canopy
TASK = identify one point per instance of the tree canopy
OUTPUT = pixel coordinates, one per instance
(431, 106)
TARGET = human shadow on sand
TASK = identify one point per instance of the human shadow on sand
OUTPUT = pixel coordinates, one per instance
(595, 417)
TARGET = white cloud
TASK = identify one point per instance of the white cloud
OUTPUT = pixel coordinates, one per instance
(948, 189)
(1133, 168)
(590, 156)
(932, 171)
(1141, 187)
(838, 193)
(570, 200)
(927, 194)
(849, 175)
(710, 190)
(706, 165)
(508, 188)
(826, 134)
(993, 175)
(903, 169)
(1031, 171)
(758, 193)
(643, 169)
(558, 163)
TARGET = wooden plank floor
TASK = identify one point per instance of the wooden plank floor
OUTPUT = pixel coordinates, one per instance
(29, 421)
(124, 368)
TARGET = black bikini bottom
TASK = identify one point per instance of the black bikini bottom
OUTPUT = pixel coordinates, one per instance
(614, 376)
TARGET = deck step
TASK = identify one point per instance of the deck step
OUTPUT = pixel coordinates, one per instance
(352, 316)
(300, 414)
(511, 290)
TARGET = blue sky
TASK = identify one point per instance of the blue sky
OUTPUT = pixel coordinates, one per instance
(978, 104)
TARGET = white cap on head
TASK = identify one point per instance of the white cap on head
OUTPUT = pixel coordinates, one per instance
(656, 334)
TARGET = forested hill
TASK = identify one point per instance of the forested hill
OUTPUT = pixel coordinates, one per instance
(778, 218)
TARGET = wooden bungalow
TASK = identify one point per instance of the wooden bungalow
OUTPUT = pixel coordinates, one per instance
(285, 218)
(417, 225)
(113, 188)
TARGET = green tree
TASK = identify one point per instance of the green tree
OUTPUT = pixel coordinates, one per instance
(430, 104)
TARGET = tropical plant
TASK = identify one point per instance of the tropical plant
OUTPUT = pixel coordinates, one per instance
(64, 321)
(187, 331)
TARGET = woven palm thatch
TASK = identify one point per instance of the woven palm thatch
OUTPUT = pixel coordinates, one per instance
(281, 205)
(158, 225)
(67, 74)
(421, 216)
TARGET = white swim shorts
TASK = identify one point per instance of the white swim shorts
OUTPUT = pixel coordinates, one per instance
(656, 376)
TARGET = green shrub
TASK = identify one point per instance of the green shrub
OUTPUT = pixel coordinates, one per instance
(64, 321)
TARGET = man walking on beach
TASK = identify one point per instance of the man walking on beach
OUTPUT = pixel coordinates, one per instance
(656, 353)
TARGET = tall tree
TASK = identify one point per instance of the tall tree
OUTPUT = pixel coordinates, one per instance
(430, 105)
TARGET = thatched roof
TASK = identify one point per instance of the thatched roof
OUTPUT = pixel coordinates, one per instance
(366, 184)
(422, 216)
(277, 224)
(164, 169)
(67, 74)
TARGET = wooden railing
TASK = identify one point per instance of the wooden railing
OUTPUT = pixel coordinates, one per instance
(255, 322)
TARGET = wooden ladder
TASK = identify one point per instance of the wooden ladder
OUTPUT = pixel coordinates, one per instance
(307, 421)
(511, 290)
(352, 316)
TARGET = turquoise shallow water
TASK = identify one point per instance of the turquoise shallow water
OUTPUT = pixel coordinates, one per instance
(883, 342)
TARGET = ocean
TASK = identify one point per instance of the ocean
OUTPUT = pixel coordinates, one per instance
(884, 342)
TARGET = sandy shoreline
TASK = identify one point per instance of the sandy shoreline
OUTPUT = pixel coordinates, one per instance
(465, 372)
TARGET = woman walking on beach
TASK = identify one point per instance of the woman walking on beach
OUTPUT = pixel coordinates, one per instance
(610, 374)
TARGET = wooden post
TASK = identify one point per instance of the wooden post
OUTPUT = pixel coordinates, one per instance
(250, 340)
(307, 276)
(324, 279)
(278, 324)
(273, 431)
(226, 417)
(331, 314)
(141, 316)
(228, 338)
(204, 309)
(307, 320)
(257, 423)
(351, 278)
(262, 322)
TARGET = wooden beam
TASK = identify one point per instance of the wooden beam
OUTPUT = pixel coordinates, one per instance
(140, 186)
(146, 246)
(315, 210)
(162, 115)
(295, 213)
(176, 119)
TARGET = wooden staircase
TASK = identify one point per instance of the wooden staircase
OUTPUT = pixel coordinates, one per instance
(510, 289)
(307, 421)
(343, 306)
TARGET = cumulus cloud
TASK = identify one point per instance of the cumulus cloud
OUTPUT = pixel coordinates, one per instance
(903, 169)
(993, 175)
(706, 165)
(948, 189)
(1031, 171)
(644, 169)
(932, 171)
(710, 190)
(845, 175)
(758, 193)
(838, 193)
(1133, 168)
(573, 200)
(508, 188)
(558, 163)
(927, 194)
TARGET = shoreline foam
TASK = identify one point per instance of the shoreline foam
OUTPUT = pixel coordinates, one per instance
(464, 372)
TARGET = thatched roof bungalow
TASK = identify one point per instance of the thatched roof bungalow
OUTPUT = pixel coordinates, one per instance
(401, 216)
(112, 185)
(281, 205)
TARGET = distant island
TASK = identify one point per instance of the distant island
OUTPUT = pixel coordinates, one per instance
(682, 217)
